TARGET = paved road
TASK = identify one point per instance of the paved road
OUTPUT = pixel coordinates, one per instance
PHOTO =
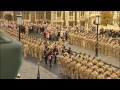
(29, 70)
(108, 59)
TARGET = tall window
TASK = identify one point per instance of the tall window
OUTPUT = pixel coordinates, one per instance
(82, 13)
(58, 13)
(25, 14)
(1, 14)
(42, 14)
(90, 12)
(39, 14)
(71, 13)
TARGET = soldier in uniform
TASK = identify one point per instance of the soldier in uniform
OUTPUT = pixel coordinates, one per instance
(32, 48)
(76, 72)
(35, 49)
(40, 51)
(67, 66)
(60, 58)
(64, 63)
(25, 50)
(72, 68)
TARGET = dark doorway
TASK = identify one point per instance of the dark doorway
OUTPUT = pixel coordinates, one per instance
(8, 17)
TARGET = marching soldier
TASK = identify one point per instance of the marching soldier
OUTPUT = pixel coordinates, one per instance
(25, 50)
(35, 49)
(32, 48)
(77, 66)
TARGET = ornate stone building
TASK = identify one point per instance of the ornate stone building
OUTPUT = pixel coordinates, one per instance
(69, 18)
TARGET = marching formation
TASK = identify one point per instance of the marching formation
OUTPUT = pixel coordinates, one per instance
(107, 45)
(39, 48)
(52, 49)
(82, 66)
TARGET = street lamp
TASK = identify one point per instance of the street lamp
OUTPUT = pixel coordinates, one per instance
(38, 75)
(19, 23)
(119, 53)
(97, 22)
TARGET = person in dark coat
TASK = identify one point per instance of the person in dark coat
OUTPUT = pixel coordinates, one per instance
(55, 51)
(69, 51)
(22, 29)
(46, 55)
(58, 36)
(50, 57)
(63, 49)
(66, 35)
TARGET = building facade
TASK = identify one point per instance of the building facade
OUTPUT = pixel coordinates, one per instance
(68, 18)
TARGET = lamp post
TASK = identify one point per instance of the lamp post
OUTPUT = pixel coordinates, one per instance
(119, 53)
(97, 23)
(119, 61)
(19, 23)
(38, 75)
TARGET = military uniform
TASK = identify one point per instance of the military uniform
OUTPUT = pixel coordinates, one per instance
(25, 50)
(35, 50)
(77, 66)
